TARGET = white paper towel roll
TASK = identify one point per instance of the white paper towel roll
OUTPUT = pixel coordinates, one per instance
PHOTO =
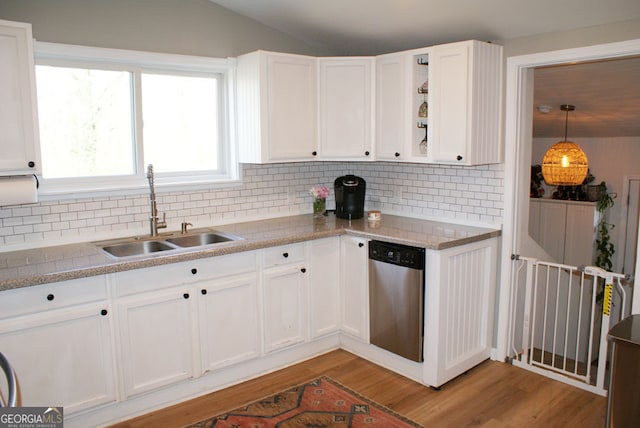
(15, 190)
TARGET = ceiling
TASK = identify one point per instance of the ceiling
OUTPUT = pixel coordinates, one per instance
(373, 27)
(606, 94)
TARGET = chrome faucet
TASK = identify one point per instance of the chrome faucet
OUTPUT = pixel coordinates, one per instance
(153, 219)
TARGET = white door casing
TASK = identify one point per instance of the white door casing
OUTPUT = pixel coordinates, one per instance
(518, 119)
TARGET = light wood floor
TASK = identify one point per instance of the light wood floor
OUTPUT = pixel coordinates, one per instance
(492, 395)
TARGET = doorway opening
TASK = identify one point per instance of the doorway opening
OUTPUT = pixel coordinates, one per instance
(518, 148)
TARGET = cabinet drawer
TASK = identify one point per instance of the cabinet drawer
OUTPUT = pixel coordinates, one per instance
(28, 300)
(157, 277)
(284, 254)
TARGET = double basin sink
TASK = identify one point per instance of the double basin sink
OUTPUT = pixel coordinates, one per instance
(145, 245)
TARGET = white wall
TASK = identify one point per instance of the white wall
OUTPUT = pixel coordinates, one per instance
(190, 27)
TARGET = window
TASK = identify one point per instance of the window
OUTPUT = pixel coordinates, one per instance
(106, 114)
(85, 122)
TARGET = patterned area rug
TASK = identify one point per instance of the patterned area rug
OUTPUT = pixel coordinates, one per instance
(321, 403)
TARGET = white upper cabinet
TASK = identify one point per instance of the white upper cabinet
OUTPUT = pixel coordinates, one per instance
(465, 99)
(19, 149)
(346, 104)
(391, 106)
(277, 107)
(440, 104)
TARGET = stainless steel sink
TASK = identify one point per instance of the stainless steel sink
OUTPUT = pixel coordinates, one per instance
(202, 239)
(135, 248)
(145, 245)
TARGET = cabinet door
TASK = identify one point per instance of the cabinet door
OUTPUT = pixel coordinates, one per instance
(63, 357)
(19, 151)
(157, 334)
(291, 107)
(345, 108)
(228, 317)
(465, 108)
(552, 229)
(284, 294)
(391, 100)
(355, 287)
(449, 112)
(580, 234)
(324, 286)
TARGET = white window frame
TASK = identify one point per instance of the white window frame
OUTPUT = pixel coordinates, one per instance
(117, 59)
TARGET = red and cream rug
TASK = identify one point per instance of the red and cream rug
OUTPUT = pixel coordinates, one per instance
(321, 403)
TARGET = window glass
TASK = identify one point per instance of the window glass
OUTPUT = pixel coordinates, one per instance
(86, 127)
(180, 116)
(105, 114)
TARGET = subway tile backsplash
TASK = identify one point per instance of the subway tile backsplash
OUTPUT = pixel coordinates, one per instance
(472, 195)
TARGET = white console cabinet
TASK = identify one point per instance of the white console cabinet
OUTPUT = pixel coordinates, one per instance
(566, 230)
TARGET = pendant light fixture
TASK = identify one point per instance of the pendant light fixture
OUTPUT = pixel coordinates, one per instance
(565, 164)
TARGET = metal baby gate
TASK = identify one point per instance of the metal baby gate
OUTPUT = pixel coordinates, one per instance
(559, 319)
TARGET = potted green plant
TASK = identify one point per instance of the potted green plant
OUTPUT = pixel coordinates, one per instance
(604, 247)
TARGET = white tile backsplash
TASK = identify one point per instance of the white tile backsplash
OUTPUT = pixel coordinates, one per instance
(465, 194)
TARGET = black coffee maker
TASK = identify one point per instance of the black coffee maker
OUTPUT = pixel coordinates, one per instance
(349, 192)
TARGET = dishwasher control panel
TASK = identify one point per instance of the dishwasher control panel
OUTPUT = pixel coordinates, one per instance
(401, 255)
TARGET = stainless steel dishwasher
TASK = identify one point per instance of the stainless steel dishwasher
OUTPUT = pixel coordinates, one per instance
(396, 298)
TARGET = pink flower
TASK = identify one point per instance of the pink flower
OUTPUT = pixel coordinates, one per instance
(319, 192)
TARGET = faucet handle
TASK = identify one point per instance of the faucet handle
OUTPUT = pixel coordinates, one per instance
(184, 226)
(162, 224)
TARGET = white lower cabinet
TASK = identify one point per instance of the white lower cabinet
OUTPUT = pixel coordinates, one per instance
(182, 328)
(460, 289)
(228, 320)
(59, 340)
(284, 294)
(180, 320)
(324, 286)
(157, 339)
(354, 281)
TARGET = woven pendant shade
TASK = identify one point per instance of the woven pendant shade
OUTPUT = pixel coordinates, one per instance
(565, 164)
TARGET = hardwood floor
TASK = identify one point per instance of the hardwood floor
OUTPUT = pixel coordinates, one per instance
(492, 395)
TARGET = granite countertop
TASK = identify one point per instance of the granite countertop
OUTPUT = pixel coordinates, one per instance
(60, 263)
